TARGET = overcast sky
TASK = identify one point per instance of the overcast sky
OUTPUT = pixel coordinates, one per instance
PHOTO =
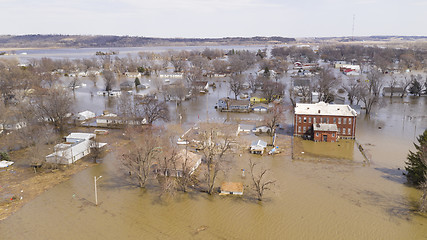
(214, 18)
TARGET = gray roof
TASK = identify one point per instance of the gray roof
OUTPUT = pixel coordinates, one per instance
(259, 143)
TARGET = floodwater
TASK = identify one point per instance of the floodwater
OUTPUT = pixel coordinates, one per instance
(312, 199)
(25, 55)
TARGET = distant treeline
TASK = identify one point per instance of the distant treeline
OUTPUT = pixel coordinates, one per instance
(83, 41)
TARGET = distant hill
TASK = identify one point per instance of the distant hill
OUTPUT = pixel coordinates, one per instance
(85, 41)
(368, 38)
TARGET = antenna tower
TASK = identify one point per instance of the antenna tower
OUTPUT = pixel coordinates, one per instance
(352, 31)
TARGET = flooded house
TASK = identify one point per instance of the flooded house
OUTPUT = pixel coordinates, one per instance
(260, 107)
(201, 86)
(261, 129)
(85, 115)
(111, 120)
(231, 105)
(127, 85)
(258, 147)
(324, 122)
(393, 91)
(231, 188)
(75, 147)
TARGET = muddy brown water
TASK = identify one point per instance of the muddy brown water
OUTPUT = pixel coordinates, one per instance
(311, 199)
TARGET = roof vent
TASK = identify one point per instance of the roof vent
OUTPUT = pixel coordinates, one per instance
(318, 111)
(338, 109)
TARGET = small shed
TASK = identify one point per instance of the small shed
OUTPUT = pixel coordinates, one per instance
(83, 116)
(258, 147)
(233, 188)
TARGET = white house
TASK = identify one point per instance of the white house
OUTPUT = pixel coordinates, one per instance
(258, 147)
(261, 129)
(133, 74)
(112, 120)
(82, 116)
(171, 75)
(76, 146)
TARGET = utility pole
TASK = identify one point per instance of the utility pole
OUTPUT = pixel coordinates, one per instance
(96, 192)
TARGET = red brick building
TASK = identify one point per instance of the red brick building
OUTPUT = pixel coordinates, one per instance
(324, 122)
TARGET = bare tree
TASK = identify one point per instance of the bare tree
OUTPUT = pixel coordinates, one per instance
(74, 83)
(375, 81)
(192, 75)
(92, 77)
(54, 106)
(253, 83)
(220, 66)
(393, 83)
(213, 147)
(274, 117)
(153, 109)
(325, 83)
(109, 79)
(178, 61)
(353, 89)
(236, 84)
(260, 183)
(367, 97)
(139, 156)
(272, 90)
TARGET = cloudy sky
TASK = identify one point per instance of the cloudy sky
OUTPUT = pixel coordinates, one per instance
(214, 18)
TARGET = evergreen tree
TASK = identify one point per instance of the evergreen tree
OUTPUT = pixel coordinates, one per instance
(137, 82)
(416, 166)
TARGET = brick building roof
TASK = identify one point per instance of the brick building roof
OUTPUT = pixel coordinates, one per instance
(325, 109)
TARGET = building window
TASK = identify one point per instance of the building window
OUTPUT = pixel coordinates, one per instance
(304, 129)
(299, 129)
(349, 121)
(344, 121)
(349, 131)
(325, 120)
(339, 120)
(309, 120)
(339, 130)
(333, 134)
(335, 120)
(305, 119)
(317, 134)
(299, 119)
